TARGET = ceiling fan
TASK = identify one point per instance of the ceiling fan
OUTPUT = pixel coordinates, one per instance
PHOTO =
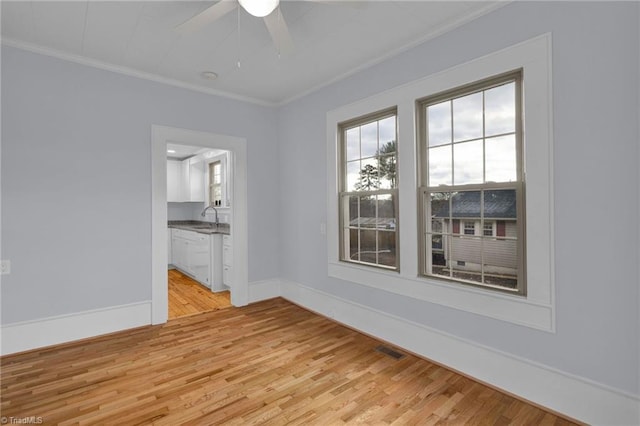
(265, 9)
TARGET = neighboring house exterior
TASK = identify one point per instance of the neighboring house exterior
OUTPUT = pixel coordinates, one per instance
(465, 235)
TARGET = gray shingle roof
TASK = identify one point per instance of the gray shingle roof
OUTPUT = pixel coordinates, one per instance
(497, 204)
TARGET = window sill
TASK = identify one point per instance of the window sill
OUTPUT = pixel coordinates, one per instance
(501, 306)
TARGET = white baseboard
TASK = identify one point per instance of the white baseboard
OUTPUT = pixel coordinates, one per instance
(263, 290)
(573, 396)
(23, 336)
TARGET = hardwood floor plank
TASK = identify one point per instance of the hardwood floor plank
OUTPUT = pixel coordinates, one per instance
(189, 297)
(267, 363)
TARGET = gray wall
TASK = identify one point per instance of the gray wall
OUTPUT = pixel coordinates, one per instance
(595, 90)
(76, 182)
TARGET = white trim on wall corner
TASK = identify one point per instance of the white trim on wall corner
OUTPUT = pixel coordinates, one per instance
(576, 397)
(23, 336)
(237, 148)
(263, 290)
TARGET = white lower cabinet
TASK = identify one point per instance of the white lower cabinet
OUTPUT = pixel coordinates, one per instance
(199, 256)
(227, 260)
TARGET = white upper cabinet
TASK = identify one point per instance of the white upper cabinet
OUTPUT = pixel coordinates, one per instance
(174, 181)
(195, 185)
(185, 180)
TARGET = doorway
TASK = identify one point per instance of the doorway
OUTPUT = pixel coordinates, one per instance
(238, 273)
(199, 206)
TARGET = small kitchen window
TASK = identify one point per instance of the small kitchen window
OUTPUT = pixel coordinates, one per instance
(215, 183)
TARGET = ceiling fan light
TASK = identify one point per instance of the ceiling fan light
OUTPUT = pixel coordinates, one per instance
(259, 8)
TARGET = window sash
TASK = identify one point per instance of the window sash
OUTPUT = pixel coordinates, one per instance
(424, 247)
(343, 194)
(215, 183)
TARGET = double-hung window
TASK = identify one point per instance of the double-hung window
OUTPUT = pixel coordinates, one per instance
(368, 194)
(474, 144)
(472, 185)
(215, 183)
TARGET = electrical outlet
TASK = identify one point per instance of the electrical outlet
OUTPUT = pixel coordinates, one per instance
(5, 267)
(323, 229)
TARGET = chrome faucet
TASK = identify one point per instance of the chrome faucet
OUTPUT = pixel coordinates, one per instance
(210, 206)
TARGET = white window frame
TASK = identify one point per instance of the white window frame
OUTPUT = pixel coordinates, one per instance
(344, 192)
(537, 308)
(213, 185)
(493, 224)
(517, 185)
(464, 228)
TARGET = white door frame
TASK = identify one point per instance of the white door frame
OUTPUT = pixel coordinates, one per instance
(160, 136)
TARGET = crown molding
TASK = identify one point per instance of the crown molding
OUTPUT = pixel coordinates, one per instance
(83, 60)
(436, 32)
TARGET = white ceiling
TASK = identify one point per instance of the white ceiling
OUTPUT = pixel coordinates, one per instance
(332, 40)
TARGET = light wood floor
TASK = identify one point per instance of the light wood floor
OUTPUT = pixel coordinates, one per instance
(267, 363)
(188, 297)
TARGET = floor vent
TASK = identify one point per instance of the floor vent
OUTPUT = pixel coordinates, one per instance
(388, 351)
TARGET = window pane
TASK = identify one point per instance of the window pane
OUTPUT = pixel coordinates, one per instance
(438, 244)
(500, 159)
(387, 248)
(437, 225)
(387, 171)
(439, 213)
(467, 162)
(368, 217)
(500, 203)
(368, 246)
(354, 251)
(467, 117)
(387, 130)
(500, 110)
(501, 262)
(353, 174)
(368, 179)
(439, 123)
(369, 139)
(386, 212)
(466, 258)
(353, 144)
(466, 204)
(501, 253)
(440, 165)
(353, 208)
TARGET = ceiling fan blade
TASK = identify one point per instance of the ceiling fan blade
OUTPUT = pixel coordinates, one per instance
(207, 16)
(357, 4)
(279, 32)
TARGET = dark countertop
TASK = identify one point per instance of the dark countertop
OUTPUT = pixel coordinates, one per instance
(201, 227)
